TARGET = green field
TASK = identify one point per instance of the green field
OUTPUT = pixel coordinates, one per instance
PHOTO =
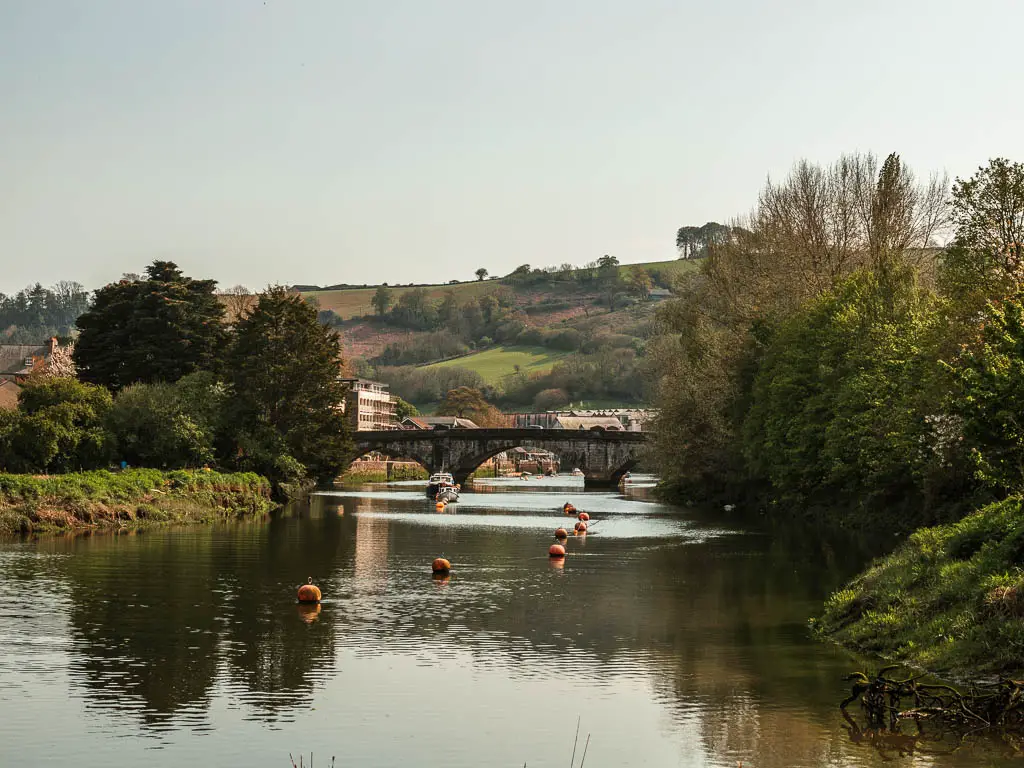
(494, 364)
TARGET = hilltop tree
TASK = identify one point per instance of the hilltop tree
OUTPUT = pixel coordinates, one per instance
(157, 329)
(481, 273)
(382, 299)
(285, 375)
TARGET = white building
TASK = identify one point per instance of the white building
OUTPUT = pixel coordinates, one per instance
(369, 405)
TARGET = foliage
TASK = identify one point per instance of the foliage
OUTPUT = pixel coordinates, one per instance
(432, 346)
(550, 400)
(284, 375)
(157, 329)
(382, 299)
(986, 258)
(169, 425)
(481, 273)
(404, 409)
(469, 403)
(35, 313)
(951, 599)
(429, 384)
(59, 426)
(835, 408)
(989, 395)
(807, 234)
(131, 498)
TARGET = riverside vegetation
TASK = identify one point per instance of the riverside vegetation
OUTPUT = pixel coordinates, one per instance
(830, 367)
(128, 499)
(161, 381)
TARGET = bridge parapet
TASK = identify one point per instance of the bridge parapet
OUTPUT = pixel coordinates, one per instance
(604, 456)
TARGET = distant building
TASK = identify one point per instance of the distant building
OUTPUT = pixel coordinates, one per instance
(430, 422)
(626, 419)
(369, 405)
(17, 361)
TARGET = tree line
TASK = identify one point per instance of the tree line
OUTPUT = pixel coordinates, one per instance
(828, 360)
(35, 313)
(163, 380)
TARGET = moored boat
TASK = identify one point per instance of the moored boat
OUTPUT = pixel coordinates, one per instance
(441, 487)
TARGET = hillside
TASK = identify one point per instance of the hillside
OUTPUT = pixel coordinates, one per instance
(355, 302)
(534, 337)
(496, 363)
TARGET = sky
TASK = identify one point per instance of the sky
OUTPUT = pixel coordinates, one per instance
(328, 141)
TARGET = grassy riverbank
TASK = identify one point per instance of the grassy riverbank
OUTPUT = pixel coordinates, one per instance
(376, 473)
(132, 498)
(950, 600)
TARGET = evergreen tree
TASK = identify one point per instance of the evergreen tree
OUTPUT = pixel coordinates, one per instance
(157, 329)
(285, 373)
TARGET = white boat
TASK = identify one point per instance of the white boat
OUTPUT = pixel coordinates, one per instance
(441, 487)
(577, 472)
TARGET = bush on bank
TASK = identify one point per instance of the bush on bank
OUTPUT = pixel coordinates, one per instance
(951, 599)
(102, 499)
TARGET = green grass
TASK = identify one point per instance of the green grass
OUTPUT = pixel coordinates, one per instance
(132, 498)
(950, 600)
(495, 364)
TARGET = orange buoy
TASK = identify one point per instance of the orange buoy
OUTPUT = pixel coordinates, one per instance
(581, 527)
(441, 565)
(583, 516)
(561, 533)
(556, 550)
(439, 505)
(568, 508)
(309, 592)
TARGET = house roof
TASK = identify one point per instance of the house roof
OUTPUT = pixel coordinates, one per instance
(588, 422)
(9, 395)
(20, 359)
(429, 422)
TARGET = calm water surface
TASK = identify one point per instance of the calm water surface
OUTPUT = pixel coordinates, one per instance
(676, 641)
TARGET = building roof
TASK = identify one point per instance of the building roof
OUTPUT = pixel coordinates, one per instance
(588, 422)
(429, 422)
(20, 359)
(9, 395)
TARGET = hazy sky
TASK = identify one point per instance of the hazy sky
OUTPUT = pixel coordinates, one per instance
(326, 141)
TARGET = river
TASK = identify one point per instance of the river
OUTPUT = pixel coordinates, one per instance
(673, 639)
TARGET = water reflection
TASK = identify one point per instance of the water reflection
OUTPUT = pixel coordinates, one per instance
(678, 640)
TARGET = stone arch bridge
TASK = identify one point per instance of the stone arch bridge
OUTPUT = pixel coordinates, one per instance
(604, 456)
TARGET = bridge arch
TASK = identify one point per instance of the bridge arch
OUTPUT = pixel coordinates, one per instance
(603, 456)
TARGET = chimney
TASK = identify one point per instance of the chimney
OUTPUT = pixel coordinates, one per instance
(52, 344)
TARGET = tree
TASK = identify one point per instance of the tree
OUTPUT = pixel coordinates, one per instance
(550, 400)
(640, 282)
(157, 329)
(481, 273)
(986, 257)
(59, 426)
(404, 410)
(469, 403)
(168, 425)
(382, 299)
(284, 375)
(989, 395)
(608, 278)
(237, 300)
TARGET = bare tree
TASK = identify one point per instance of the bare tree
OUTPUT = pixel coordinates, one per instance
(237, 300)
